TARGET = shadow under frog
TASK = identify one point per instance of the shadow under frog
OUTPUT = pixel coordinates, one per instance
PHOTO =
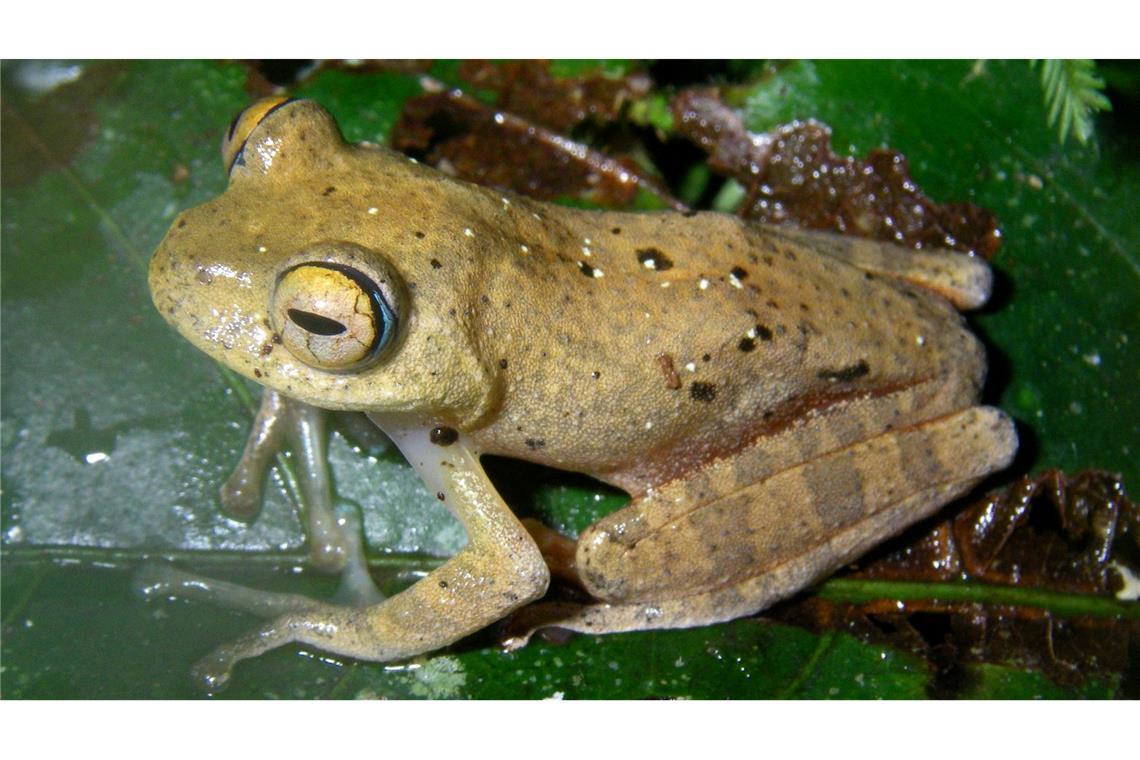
(774, 401)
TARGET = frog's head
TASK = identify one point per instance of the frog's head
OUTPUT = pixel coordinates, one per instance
(298, 275)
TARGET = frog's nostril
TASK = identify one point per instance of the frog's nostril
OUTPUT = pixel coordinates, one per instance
(315, 323)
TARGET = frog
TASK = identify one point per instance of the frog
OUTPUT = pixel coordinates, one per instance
(774, 401)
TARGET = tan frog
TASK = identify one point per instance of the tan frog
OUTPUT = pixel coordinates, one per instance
(774, 401)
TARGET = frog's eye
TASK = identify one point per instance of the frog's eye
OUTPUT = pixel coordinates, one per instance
(243, 124)
(332, 317)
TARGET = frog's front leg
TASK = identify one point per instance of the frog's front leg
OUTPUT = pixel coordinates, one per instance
(281, 420)
(500, 570)
(155, 581)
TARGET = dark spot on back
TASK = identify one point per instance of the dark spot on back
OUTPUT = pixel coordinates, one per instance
(702, 391)
(435, 264)
(587, 270)
(502, 363)
(420, 235)
(763, 332)
(746, 344)
(651, 258)
(739, 272)
(329, 190)
(616, 230)
(846, 374)
(535, 443)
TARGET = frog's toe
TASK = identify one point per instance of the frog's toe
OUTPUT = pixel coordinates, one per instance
(241, 496)
(213, 672)
(357, 588)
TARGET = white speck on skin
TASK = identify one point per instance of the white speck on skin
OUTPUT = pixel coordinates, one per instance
(467, 231)
(586, 251)
(691, 366)
(665, 284)
(373, 210)
(261, 249)
(1034, 181)
(920, 340)
(524, 249)
(703, 284)
(734, 281)
(1093, 359)
(506, 202)
(649, 425)
(599, 274)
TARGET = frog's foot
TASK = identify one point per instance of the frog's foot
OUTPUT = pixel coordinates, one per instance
(963, 280)
(356, 589)
(754, 546)
(280, 421)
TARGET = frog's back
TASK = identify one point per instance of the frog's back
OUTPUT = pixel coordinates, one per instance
(698, 333)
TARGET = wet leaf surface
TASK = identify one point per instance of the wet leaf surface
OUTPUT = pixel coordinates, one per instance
(115, 433)
(1068, 537)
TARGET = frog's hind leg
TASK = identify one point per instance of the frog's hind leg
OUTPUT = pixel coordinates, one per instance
(750, 547)
(963, 280)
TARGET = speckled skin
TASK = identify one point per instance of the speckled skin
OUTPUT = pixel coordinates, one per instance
(775, 401)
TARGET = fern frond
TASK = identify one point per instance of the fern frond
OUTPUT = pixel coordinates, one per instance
(1072, 94)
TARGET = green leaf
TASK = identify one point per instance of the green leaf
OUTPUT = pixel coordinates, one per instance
(115, 433)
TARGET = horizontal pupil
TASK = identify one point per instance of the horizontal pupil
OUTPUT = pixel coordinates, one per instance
(315, 323)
